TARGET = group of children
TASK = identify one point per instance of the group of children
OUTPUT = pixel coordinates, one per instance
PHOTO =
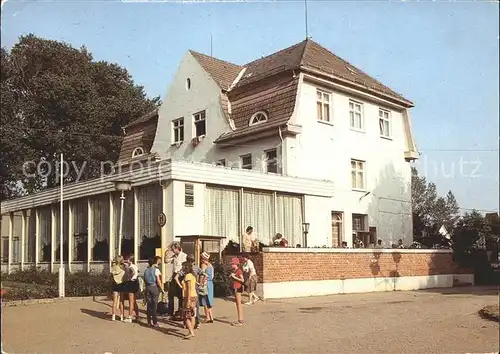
(194, 284)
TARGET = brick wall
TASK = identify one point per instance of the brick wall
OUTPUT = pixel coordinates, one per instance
(256, 258)
(297, 266)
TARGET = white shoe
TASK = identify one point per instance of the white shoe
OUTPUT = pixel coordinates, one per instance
(128, 320)
(113, 317)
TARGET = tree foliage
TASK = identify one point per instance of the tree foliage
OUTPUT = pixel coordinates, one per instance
(431, 211)
(59, 100)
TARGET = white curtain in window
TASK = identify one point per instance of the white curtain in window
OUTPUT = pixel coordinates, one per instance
(45, 216)
(258, 212)
(100, 218)
(80, 217)
(57, 212)
(150, 205)
(221, 213)
(29, 249)
(289, 218)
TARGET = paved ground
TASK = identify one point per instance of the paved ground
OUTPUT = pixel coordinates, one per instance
(397, 322)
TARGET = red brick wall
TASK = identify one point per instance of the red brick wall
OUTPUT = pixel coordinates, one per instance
(256, 258)
(292, 266)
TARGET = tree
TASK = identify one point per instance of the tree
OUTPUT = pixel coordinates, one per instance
(65, 102)
(430, 211)
(11, 155)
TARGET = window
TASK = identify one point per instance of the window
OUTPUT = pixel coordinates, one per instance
(188, 83)
(138, 152)
(358, 222)
(188, 194)
(356, 115)
(200, 124)
(272, 161)
(221, 162)
(178, 128)
(384, 123)
(257, 118)
(358, 174)
(246, 162)
(323, 104)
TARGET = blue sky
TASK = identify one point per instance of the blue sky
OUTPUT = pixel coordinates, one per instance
(442, 55)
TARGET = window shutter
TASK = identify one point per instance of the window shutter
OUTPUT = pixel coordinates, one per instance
(188, 194)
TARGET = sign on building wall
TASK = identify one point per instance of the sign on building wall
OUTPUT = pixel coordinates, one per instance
(161, 219)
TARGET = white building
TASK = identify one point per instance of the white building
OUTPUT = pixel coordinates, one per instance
(300, 136)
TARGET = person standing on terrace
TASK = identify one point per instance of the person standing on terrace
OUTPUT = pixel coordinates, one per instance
(248, 240)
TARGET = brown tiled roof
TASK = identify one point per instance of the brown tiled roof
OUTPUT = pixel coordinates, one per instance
(269, 83)
(140, 133)
(275, 96)
(223, 72)
(321, 59)
(144, 118)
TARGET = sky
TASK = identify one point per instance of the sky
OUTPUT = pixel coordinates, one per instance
(443, 56)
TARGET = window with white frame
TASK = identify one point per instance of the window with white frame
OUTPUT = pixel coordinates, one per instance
(323, 105)
(358, 222)
(272, 161)
(200, 123)
(384, 121)
(356, 115)
(358, 174)
(138, 152)
(257, 118)
(246, 162)
(178, 130)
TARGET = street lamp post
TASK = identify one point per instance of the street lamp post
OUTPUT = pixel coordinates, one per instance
(122, 187)
(305, 231)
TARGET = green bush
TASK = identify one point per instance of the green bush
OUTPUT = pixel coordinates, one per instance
(32, 276)
(87, 284)
(222, 279)
(40, 284)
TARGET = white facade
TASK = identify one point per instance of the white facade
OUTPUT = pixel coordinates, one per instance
(322, 151)
(36, 231)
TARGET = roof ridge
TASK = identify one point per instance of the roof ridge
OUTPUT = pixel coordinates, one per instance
(347, 63)
(276, 53)
(214, 58)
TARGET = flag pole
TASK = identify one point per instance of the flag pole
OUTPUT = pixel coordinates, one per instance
(61, 232)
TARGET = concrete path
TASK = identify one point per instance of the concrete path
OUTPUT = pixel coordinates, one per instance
(398, 322)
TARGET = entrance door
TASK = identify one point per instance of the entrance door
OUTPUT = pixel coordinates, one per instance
(336, 228)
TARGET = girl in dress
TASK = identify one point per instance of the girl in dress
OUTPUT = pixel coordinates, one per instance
(208, 301)
(237, 278)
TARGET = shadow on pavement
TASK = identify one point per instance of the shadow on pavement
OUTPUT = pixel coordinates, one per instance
(465, 290)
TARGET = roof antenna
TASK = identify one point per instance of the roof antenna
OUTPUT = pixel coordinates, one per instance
(305, 13)
(211, 46)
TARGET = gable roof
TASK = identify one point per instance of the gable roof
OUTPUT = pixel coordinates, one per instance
(310, 55)
(270, 83)
(223, 72)
(143, 119)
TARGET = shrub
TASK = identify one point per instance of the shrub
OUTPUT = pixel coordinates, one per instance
(32, 276)
(39, 284)
(222, 279)
(87, 284)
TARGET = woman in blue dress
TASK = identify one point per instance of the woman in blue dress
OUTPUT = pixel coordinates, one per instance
(208, 301)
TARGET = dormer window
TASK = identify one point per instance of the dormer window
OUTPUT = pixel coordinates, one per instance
(138, 152)
(257, 118)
